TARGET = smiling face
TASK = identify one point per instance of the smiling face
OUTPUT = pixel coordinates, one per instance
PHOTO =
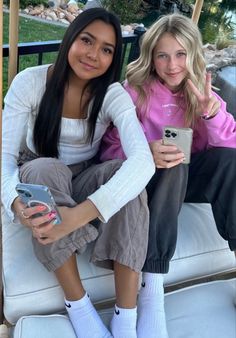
(169, 59)
(91, 53)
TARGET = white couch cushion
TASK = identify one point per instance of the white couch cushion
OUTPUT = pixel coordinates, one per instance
(200, 250)
(53, 326)
(30, 289)
(201, 311)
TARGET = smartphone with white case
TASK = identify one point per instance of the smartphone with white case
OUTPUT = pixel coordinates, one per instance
(181, 138)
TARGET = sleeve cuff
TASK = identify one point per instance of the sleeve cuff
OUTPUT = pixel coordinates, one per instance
(102, 200)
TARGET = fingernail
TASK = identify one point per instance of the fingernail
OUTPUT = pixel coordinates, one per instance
(205, 117)
(51, 214)
(41, 208)
(205, 113)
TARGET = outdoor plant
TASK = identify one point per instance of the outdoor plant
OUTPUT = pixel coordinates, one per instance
(25, 3)
(126, 10)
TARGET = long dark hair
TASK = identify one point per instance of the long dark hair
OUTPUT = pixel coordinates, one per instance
(47, 126)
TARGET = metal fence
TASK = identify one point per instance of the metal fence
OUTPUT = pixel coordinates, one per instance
(130, 48)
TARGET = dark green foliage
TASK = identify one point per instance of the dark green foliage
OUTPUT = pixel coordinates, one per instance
(126, 10)
(25, 3)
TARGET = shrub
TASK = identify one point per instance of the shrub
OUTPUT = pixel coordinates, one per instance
(25, 3)
(125, 10)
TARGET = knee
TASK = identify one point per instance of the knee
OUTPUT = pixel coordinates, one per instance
(180, 171)
(43, 170)
(176, 174)
(107, 169)
(224, 156)
(113, 165)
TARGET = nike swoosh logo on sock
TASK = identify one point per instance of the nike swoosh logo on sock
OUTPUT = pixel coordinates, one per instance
(117, 312)
(67, 305)
(143, 284)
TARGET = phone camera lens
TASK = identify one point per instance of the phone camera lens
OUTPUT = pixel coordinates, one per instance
(167, 133)
(28, 194)
(173, 135)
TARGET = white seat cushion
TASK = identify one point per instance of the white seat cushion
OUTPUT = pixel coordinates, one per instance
(202, 311)
(30, 289)
(200, 250)
(53, 326)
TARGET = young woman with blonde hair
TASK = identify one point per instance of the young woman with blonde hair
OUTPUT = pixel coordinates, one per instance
(170, 87)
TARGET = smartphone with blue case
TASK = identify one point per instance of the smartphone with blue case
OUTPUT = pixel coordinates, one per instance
(34, 194)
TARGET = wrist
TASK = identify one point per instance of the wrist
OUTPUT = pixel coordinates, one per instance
(84, 213)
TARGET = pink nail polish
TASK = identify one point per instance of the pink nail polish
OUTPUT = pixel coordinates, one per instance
(51, 214)
(41, 208)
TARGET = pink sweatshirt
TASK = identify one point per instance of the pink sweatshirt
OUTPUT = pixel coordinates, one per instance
(166, 108)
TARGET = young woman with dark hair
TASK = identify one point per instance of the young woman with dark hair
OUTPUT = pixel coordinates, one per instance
(61, 112)
(50, 109)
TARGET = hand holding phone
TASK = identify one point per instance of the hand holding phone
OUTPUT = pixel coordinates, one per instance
(33, 195)
(181, 137)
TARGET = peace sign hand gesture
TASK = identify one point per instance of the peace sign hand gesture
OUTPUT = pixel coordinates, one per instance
(208, 105)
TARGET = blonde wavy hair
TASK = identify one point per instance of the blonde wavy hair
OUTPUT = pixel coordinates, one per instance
(140, 72)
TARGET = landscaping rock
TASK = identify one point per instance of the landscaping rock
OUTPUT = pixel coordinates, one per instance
(66, 11)
(217, 59)
(58, 11)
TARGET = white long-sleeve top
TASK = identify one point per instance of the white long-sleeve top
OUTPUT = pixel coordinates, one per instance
(20, 110)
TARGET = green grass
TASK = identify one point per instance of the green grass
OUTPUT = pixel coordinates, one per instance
(30, 31)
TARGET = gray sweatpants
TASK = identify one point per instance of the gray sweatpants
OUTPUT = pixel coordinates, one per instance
(209, 178)
(123, 238)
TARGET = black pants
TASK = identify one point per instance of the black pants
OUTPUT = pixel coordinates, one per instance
(210, 178)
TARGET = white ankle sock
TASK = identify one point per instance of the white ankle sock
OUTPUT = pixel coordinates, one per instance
(151, 311)
(123, 323)
(85, 319)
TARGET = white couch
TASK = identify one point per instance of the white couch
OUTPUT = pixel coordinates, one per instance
(33, 301)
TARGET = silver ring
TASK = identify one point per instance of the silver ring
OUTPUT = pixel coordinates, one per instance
(23, 214)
